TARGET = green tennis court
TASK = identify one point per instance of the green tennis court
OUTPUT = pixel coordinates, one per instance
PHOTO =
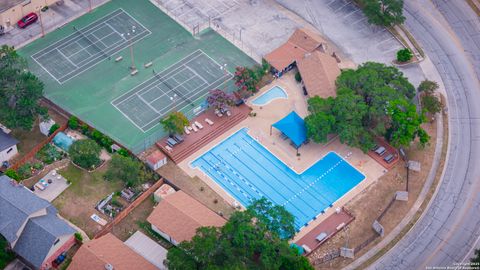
(82, 74)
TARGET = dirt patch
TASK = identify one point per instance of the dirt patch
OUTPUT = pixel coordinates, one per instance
(368, 205)
(196, 188)
(130, 224)
(77, 202)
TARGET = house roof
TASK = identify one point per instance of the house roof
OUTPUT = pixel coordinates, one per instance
(18, 207)
(293, 126)
(6, 140)
(155, 157)
(302, 41)
(147, 248)
(39, 236)
(17, 203)
(179, 216)
(319, 72)
(108, 249)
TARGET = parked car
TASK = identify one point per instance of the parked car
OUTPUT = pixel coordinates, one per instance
(27, 20)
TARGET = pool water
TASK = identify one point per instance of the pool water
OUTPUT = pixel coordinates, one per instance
(247, 170)
(272, 94)
(63, 141)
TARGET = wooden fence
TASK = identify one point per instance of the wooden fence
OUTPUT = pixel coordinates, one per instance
(37, 148)
(120, 216)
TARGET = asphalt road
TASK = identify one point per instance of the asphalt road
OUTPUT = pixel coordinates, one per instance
(450, 228)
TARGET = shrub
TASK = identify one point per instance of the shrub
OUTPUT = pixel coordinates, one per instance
(85, 153)
(78, 237)
(431, 104)
(48, 154)
(25, 171)
(123, 152)
(85, 129)
(73, 122)
(174, 123)
(12, 174)
(53, 128)
(298, 77)
(37, 166)
(404, 55)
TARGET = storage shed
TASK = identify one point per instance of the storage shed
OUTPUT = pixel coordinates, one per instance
(162, 192)
(156, 160)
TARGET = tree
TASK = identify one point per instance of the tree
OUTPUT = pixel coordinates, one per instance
(20, 91)
(85, 153)
(428, 87)
(319, 125)
(404, 55)
(6, 255)
(476, 259)
(406, 124)
(246, 79)
(244, 242)
(128, 170)
(431, 104)
(384, 12)
(277, 219)
(218, 99)
(73, 122)
(53, 128)
(174, 123)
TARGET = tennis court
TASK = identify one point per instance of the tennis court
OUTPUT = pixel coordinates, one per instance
(175, 88)
(88, 46)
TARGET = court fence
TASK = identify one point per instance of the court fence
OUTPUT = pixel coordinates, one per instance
(226, 33)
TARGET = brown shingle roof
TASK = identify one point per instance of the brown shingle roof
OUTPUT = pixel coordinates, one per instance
(95, 254)
(302, 41)
(319, 72)
(179, 216)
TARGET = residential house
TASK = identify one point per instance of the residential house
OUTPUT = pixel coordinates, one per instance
(8, 147)
(31, 225)
(108, 253)
(178, 216)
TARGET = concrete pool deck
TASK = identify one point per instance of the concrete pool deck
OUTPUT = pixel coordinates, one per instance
(259, 128)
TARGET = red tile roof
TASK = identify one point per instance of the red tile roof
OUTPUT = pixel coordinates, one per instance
(302, 41)
(155, 157)
(179, 216)
(319, 72)
(95, 254)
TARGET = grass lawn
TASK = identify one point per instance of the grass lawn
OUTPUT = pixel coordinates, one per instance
(77, 202)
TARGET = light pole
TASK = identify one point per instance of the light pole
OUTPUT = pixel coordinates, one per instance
(172, 99)
(224, 68)
(129, 35)
(89, 5)
(41, 21)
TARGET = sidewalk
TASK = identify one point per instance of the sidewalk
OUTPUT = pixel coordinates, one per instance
(55, 17)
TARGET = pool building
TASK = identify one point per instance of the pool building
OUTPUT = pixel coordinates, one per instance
(247, 170)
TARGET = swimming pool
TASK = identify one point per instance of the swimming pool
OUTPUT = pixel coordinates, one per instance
(63, 141)
(272, 94)
(247, 170)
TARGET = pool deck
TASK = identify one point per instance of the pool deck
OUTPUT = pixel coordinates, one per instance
(259, 128)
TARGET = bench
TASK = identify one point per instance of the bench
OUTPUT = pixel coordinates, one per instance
(118, 59)
(134, 72)
(147, 65)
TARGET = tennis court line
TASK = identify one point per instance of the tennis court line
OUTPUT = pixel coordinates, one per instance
(180, 84)
(154, 79)
(66, 58)
(188, 103)
(89, 29)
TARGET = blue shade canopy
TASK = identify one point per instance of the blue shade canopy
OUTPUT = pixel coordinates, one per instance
(293, 127)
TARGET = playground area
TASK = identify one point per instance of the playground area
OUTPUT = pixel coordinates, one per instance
(87, 65)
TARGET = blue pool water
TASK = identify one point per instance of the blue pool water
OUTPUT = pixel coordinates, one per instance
(274, 93)
(63, 141)
(247, 170)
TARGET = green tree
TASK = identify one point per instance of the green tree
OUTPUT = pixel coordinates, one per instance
(244, 242)
(12, 174)
(404, 55)
(476, 258)
(431, 104)
(20, 91)
(53, 128)
(85, 153)
(319, 125)
(73, 122)
(428, 87)
(406, 124)
(277, 219)
(246, 79)
(6, 255)
(128, 170)
(174, 123)
(384, 12)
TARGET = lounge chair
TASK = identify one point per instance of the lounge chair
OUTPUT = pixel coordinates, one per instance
(389, 158)
(186, 130)
(228, 113)
(171, 142)
(198, 125)
(178, 138)
(195, 129)
(218, 113)
(169, 149)
(210, 122)
(380, 151)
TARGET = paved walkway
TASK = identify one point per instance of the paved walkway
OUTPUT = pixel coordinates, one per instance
(55, 17)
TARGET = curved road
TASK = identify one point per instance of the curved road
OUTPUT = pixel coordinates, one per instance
(449, 32)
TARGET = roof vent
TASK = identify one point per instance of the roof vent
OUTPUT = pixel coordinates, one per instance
(108, 266)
